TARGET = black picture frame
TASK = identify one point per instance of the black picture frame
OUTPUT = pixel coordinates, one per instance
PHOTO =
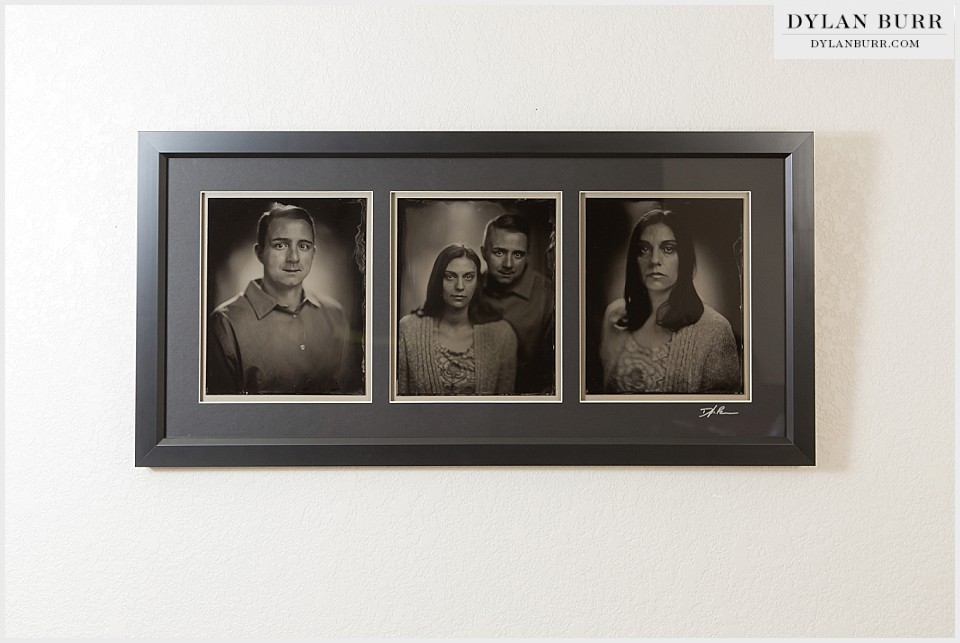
(172, 430)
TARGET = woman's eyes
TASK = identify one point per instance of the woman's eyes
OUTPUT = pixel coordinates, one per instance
(470, 276)
(667, 249)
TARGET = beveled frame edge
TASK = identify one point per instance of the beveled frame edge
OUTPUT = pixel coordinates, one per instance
(155, 148)
(151, 281)
(800, 411)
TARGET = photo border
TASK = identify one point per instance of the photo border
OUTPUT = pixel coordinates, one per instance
(792, 153)
(395, 195)
(746, 302)
(361, 398)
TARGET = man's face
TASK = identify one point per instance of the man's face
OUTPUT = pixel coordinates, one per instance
(288, 254)
(506, 255)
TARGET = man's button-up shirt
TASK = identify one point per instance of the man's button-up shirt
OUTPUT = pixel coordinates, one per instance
(257, 346)
(528, 305)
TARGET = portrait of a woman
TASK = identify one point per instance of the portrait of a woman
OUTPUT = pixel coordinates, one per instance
(661, 337)
(452, 345)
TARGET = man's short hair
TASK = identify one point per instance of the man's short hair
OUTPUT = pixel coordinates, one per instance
(508, 222)
(281, 211)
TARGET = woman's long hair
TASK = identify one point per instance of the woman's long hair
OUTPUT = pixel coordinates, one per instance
(477, 311)
(684, 306)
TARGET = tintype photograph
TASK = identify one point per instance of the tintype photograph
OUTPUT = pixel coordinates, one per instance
(285, 297)
(475, 295)
(665, 296)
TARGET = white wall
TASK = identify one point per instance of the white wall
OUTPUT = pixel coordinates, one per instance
(862, 544)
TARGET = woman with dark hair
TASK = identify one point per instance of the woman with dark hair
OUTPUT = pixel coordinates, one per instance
(454, 345)
(661, 338)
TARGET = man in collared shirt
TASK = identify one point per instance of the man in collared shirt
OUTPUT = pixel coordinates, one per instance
(274, 338)
(524, 298)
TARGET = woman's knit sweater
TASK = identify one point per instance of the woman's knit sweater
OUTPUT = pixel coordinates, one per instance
(703, 356)
(494, 345)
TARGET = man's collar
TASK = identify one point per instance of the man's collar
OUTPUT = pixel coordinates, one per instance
(522, 287)
(263, 303)
(311, 299)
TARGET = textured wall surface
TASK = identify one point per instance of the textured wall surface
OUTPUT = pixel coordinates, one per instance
(862, 544)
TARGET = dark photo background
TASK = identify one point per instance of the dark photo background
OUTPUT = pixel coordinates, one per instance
(427, 226)
(716, 225)
(338, 265)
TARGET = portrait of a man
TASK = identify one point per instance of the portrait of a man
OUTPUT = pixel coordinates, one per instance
(523, 296)
(281, 334)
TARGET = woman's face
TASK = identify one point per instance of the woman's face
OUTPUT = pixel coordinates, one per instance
(459, 283)
(658, 259)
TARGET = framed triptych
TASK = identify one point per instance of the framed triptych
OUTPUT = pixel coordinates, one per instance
(485, 298)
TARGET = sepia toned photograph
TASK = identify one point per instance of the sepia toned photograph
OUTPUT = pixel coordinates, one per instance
(475, 295)
(665, 296)
(285, 297)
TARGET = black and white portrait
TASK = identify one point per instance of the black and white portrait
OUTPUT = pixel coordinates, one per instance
(285, 296)
(475, 295)
(665, 297)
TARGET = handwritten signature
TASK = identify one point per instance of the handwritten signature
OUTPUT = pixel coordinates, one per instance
(707, 411)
